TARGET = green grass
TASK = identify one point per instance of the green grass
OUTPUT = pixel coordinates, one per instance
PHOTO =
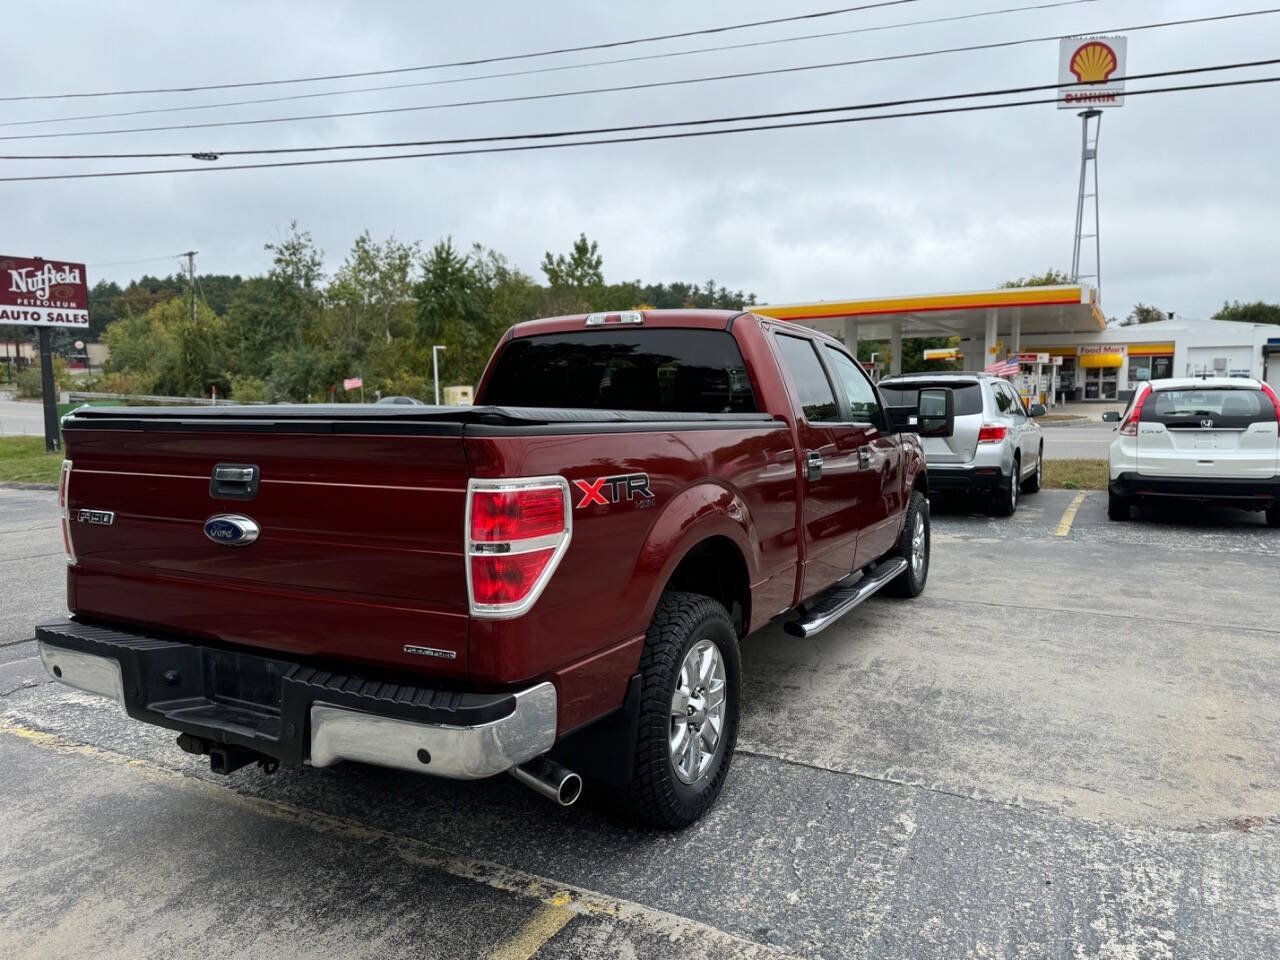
(1076, 474)
(23, 460)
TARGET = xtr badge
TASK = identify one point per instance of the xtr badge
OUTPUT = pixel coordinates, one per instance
(603, 491)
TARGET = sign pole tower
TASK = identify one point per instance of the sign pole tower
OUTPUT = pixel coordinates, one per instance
(1090, 75)
(1088, 159)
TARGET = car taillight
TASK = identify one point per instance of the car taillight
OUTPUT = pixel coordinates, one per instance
(1275, 400)
(517, 531)
(1130, 427)
(64, 510)
(992, 433)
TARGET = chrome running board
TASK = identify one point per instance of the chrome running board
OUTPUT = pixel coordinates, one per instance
(820, 612)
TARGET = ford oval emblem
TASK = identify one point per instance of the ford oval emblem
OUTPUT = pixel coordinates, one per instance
(233, 529)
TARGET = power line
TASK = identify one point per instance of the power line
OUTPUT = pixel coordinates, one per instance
(472, 62)
(876, 105)
(556, 69)
(1001, 44)
(682, 135)
(123, 263)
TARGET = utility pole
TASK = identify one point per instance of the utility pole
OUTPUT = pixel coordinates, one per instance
(191, 279)
(435, 369)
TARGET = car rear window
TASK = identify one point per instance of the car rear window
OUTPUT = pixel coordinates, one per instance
(685, 371)
(1224, 407)
(968, 396)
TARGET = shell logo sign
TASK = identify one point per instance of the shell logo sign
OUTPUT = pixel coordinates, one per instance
(1094, 62)
(1091, 72)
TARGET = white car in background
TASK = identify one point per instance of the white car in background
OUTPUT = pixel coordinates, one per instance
(1213, 440)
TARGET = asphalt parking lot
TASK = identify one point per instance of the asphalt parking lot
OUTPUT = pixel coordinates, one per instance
(1065, 748)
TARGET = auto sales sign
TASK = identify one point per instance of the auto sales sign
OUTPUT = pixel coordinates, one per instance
(43, 293)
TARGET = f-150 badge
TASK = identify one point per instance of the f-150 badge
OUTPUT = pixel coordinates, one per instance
(603, 491)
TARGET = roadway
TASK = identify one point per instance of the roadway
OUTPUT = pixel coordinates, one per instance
(1064, 748)
(21, 418)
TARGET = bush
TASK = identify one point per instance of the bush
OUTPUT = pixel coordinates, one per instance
(30, 384)
(248, 389)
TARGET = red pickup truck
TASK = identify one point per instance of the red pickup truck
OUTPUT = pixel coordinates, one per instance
(551, 583)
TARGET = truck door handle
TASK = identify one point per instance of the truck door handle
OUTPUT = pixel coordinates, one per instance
(813, 465)
(234, 481)
(864, 457)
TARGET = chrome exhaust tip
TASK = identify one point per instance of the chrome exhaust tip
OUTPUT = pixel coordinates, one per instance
(550, 779)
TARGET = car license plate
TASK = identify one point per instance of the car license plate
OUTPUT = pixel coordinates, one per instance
(1206, 443)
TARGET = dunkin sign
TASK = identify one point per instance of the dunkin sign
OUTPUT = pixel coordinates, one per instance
(1091, 72)
(43, 293)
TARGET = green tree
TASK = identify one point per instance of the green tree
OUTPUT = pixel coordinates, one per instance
(453, 299)
(1141, 313)
(370, 305)
(1050, 278)
(165, 351)
(579, 271)
(1256, 312)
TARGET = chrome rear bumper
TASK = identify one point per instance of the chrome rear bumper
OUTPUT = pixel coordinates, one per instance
(304, 715)
(462, 753)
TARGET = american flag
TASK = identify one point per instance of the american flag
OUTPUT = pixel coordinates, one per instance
(1003, 368)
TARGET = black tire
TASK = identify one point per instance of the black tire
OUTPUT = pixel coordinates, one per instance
(656, 795)
(1273, 515)
(1118, 508)
(1005, 503)
(1032, 483)
(910, 583)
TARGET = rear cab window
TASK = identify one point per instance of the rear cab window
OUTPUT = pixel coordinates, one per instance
(658, 369)
(1211, 408)
(967, 395)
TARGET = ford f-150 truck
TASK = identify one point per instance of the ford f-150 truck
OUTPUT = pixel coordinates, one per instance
(551, 583)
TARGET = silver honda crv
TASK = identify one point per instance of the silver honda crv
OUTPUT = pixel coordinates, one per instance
(996, 449)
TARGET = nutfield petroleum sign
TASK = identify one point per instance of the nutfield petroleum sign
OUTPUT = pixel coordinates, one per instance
(43, 293)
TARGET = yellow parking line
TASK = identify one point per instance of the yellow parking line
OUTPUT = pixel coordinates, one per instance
(1064, 525)
(548, 920)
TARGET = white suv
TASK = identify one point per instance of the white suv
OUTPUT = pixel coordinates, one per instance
(1214, 440)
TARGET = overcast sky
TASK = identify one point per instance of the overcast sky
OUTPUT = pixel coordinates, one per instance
(1190, 204)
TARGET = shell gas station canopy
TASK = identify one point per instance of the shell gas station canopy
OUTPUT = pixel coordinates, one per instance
(989, 323)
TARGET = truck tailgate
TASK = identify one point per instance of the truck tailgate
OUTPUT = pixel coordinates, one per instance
(360, 544)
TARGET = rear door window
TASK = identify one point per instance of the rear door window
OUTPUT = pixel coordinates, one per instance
(967, 396)
(1208, 409)
(813, 389)
(670, 370)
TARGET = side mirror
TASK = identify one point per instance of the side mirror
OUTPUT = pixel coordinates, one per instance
(1110, 416)
(1037, 410)
(935, 412)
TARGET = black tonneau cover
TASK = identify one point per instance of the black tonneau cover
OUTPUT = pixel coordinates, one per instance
(389, 418)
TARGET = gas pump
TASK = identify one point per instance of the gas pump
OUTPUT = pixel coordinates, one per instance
(1037, 378)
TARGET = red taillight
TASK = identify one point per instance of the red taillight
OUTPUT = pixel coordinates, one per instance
(1275, 400)
(992, 433)
(498, 515)
(1130, 427)
(517, 531)
(64, 510)
(497, 580)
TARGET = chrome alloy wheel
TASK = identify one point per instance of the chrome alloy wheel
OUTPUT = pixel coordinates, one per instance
(697, 711)
(1013, 487)
(918, 557)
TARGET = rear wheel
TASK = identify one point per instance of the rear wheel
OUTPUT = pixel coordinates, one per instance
(1273, 515)
(1006, 501)
(913, 547)
(689, 704)
(1118, 507)
(1032, 483)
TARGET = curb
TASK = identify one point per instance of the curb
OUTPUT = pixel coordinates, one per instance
(1073, 422)
(14, 485)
